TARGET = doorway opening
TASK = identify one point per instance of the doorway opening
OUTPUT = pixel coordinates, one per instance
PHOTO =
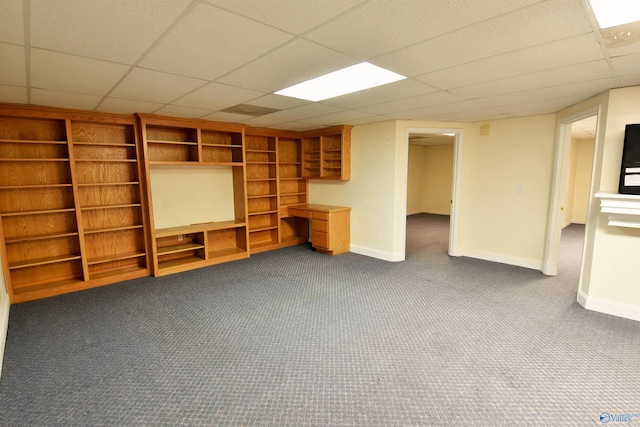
(571, 192)
(433, 164)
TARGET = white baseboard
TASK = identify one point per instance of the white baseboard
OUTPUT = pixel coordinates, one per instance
(374, 253)
(609, 307)
(502, 259)
(4, 325)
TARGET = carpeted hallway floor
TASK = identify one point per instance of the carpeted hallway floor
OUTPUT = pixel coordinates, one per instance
(292, 337)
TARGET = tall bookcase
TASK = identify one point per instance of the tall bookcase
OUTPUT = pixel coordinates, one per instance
(170, 142)
(71, 208)
(274, 182)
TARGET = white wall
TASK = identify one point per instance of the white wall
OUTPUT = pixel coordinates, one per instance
(415, 179)
(438, 176)
(497, 222)
(609, 281)
(184, 195)
(429, 179)
(370, 192)
(569, 190)
(582, 181)
(578, 182)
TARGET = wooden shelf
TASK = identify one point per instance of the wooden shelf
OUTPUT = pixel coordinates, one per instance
(107, 184)
(47, 236)
(37, 212)
(183, 247)
(156, 141)
(32, 141)
(43, 261)
(128, 205)
(118, 257)
(107, 160)
(32, 160)
(112, 229)
(33, 186)
(107, 144)
(195, 228)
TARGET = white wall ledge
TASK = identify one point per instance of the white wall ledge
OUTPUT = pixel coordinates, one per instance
(623, 209)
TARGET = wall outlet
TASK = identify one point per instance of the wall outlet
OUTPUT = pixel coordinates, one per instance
(520, 189)
(180, 237)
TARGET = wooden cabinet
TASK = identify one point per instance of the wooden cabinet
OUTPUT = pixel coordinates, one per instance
(70, 201)
(171, 142)
(326, 153)
(330, 227)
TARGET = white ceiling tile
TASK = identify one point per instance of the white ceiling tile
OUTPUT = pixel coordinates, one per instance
(380, 26)
(216, 96)
(574, 50)
(625, 65)
(221, 116)
(560, 76)
(378, 95)
(11, 21)
(113, 30)
(412, 103)
(294, 16)
(440, 109)
(69, 73)
(630, 80)
(295, 126)
(12, 65)
(64, 99)
(530, 26)
(278, 102)
(179, 111)
(303, 112)
(583, 90)
(290, 64)
(153, 86)
(127, 106)
(14, 94)
(262, 122)
(210, 42)
(369, 119)
(338, 118)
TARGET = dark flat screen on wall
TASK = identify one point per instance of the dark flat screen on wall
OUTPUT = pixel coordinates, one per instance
(630, 170)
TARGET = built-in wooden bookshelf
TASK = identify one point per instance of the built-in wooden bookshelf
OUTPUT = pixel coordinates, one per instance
(170, 141)
(326, 153)
(65, 179)
(76, 200)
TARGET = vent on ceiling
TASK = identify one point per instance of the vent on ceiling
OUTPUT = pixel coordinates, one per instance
(249, 110)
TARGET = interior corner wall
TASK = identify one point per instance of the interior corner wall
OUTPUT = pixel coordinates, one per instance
(371, 191)
(506, 190)
(569, 191)
(609, 280)
(415, 179)
(582, 182)
(437, 179)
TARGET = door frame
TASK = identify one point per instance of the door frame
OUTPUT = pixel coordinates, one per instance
(559, 183)
(455, 185)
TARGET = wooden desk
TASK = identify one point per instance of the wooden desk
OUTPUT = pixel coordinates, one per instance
(330, 227)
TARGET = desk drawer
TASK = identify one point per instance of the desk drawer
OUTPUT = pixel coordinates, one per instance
(320, 215)
(301, 213)
(320, 240)
(319, 225)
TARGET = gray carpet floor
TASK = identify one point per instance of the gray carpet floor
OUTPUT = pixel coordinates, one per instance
(293, 337)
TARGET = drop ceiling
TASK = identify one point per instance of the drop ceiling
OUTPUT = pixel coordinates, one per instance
(465, 60)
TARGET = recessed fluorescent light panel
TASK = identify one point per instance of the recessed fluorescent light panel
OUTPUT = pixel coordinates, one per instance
(611, 13)
(348, 80)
